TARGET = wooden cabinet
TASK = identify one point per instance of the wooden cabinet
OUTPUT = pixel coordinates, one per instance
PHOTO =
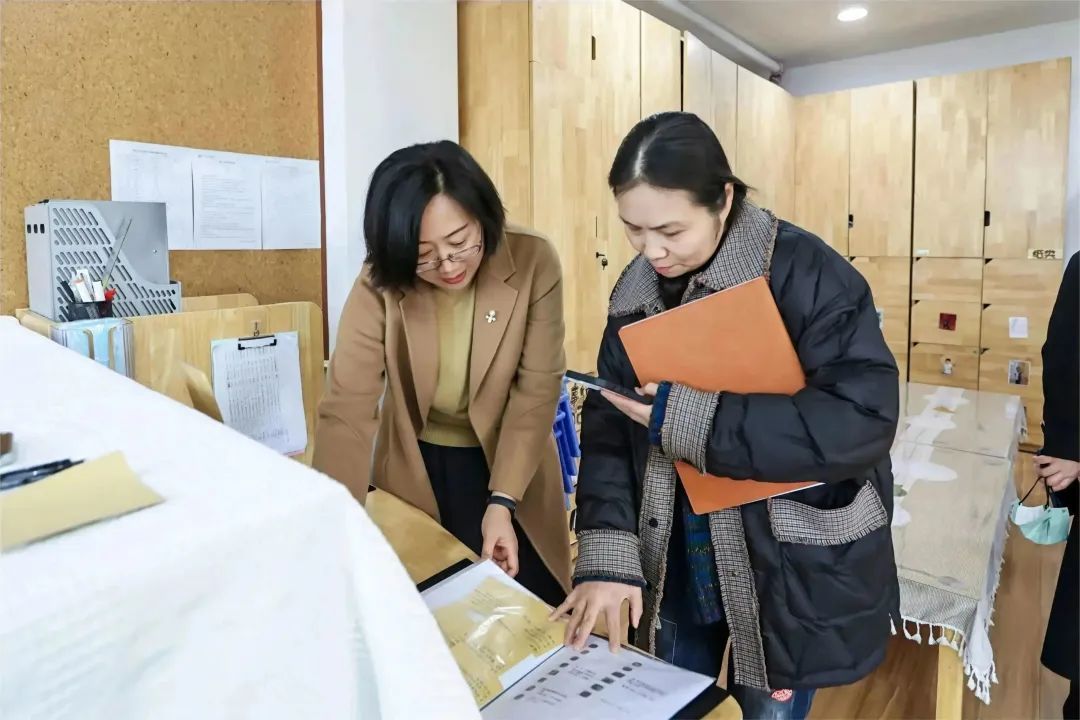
(661, 66)
(853, 168)
(950, 165)
(616, 88)
(947, 279)
(822, 166)
(710, 84)
(1022, 282)
(946, 365)
(890, 282)
(725, 83)
(882, 129)
(495, 107)
(548, 91)
(765, 139)
(1026, 159)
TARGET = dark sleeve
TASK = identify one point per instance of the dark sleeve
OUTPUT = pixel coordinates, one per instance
(1061, 384)
(608, 546)
(842, 423)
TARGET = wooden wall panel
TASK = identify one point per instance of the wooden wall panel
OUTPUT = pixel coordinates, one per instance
(889, 279)
(566, 169)
(947, 279)
(1022, 282)
(725, 83)
(995, 374)
(950, 165)
(928, 362)
(494, 108)
(237, 76)
(946, 323)
(561, 33)
(822, 166)
(882, 142)
(1026, 157)
(616, 83)
(697, 78)
(661, 66)
(766, 142)
(1014, 328)
(890, 282)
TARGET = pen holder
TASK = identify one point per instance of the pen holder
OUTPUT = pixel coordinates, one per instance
(88, 310)
(109, 341)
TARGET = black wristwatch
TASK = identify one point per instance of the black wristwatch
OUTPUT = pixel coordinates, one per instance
(505, 502)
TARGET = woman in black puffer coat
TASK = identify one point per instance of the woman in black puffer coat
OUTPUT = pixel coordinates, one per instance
(804, 586)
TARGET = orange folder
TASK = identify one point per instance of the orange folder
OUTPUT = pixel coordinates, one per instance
(734, 341)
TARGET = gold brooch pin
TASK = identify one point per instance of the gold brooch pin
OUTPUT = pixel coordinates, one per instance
(490, 317)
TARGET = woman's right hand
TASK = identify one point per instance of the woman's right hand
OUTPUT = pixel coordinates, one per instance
(588, 602)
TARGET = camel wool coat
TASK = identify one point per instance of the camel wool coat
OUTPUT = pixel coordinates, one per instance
(388, 342)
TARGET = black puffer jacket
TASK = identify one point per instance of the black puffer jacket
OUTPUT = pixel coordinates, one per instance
(809, 581)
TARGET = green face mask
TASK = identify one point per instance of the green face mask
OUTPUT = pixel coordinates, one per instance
(1043, 525)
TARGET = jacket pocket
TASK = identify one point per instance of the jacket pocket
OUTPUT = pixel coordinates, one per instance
(796, 522)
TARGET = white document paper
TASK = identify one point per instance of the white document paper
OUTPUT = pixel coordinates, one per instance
(566, 684)
(291, 210)
(142, 172)
(598, 684)
(258, 388)
(228, 202)
(1018, 328)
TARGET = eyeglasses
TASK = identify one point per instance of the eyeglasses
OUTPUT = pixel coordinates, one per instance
(454, 257)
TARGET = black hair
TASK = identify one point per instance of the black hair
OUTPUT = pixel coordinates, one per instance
(402, 186)
(676, 151)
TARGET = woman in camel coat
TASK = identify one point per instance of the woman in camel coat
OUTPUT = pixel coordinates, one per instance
(459, 321)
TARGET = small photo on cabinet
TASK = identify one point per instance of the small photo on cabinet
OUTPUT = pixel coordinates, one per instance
(947, 321)
(1019, 372)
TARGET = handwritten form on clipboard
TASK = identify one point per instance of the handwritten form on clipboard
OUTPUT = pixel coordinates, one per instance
(257, 386)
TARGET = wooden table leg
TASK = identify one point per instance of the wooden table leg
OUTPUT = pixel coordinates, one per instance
(950, 684)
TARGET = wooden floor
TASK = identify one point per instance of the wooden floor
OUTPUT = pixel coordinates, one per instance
(906, 684)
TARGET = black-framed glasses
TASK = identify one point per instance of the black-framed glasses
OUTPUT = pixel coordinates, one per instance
(459, 256)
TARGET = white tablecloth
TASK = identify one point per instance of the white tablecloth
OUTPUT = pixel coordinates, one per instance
(259, 589)
(952, 490)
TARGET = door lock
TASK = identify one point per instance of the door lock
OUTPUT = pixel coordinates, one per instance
(603, 259)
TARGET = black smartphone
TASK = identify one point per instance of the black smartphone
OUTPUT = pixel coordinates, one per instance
(595, 383)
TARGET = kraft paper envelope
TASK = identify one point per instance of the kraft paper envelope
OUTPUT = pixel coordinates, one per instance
(87, 493)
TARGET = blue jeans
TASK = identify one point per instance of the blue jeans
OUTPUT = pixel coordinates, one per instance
(701, 648)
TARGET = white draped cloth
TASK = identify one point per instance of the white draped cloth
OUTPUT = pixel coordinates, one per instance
(259, 589)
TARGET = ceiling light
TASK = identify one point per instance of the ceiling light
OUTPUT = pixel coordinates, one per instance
(851, 14)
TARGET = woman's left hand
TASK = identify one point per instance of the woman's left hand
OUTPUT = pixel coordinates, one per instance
(500, 540)
(1057, 472)
(636, 411)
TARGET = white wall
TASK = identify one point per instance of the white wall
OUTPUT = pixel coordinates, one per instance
(1043, 42)
(389, 79)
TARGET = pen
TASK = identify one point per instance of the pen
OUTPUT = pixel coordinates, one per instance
(18, 478)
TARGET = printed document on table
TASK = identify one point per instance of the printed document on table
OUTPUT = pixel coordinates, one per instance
(258, 388)
(228, 201)
(496, 629)
(142, 172)
(291, 210)
(595, 683)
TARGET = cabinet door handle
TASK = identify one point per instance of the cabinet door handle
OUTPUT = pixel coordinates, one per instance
(850, 221)
(592, 40)
(986, 219)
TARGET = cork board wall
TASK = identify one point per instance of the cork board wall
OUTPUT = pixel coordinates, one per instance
(240, 76)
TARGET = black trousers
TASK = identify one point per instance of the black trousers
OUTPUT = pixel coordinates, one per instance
(459, 477)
